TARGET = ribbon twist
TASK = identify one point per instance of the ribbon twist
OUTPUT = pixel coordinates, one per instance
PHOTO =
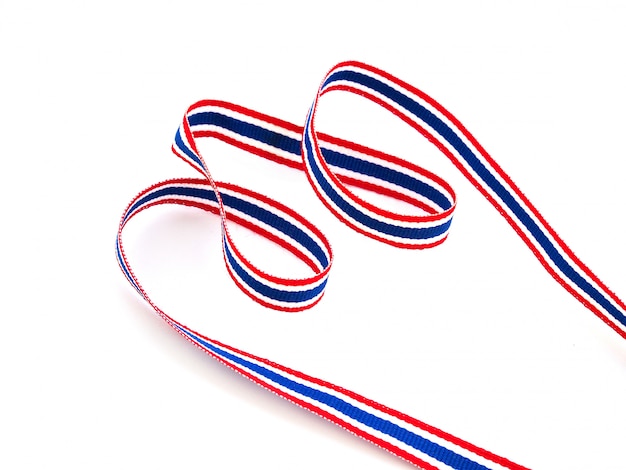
(333, 166)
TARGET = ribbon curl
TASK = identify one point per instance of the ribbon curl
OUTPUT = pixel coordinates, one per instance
(334, 166)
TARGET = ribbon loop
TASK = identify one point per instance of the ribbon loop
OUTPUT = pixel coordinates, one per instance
(334, 166)
(440, 127)
(387, 175)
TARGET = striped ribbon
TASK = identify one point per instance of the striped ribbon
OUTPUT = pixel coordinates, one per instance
(333, 166)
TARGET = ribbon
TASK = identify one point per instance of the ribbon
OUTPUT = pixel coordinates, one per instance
(334, 166)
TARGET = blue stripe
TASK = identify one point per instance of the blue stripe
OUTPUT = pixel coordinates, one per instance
(121, 262)
(275, 139)
(208, 195)
(387, 174)
(284, 226)
(448, 134)
(411, 233)
(186, 150)
(288, 144)
(271, 292)
(440, 453)
(287, 228)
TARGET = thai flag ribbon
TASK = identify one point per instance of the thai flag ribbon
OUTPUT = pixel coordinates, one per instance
(334, 166)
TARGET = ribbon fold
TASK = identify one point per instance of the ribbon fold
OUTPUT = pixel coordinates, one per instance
(334, 166)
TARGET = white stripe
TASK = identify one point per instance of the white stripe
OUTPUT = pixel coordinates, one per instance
(316, 239)
(298, 137)
(249, 141)
(189, 146)
(491, 192)
(380, 414)
(410, 241)
(399, 189)
(400, 169)
(246, 118)
(367, 229)
(290, 288)
(344, 192)
(170, 196)
(278, 233)
(186, 158)
(520, 225)
(267, 282)
(268, 300)
(337, 170)
(270, 208)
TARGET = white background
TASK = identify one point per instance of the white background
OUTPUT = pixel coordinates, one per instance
(473, 337)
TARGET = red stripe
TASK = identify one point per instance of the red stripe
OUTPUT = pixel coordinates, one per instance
(250, 148)
(282, 208)
(190, 139)
(263, 302)
(353, 182)
(248, 112)
(314, 409)
(500, 209)
(377, 154)
(384, 191)
(382, 408)
(347, 180)
(186, 159)
(240, 221)
(409, 245)
(341, 181)
(518, 193)
(293, 249)
(356, 200)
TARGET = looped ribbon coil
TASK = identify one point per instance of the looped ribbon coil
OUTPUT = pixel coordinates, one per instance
(334, 166)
